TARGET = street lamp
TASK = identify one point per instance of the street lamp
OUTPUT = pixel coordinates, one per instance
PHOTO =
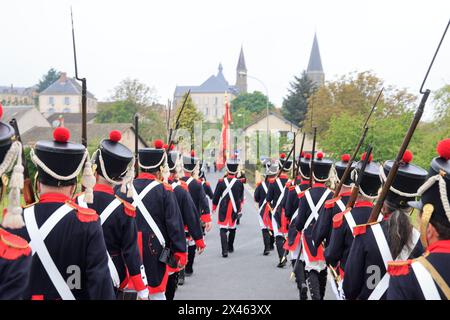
(267, 104)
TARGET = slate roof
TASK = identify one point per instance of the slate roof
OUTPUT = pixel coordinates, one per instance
(17, 112)
(241, 62)
(275, 113)
(315, 62)
(70, 117)
(16, 90)
(69, 87)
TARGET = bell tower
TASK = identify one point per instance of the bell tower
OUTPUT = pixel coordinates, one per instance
(241, 73)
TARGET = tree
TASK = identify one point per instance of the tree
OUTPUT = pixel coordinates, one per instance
(47, 79)
(116, 112)
(295, 105)
(136, 92)
(189, 116)
(254, 102)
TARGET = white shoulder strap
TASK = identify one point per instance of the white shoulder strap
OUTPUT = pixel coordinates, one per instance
(39, 247)
(280, 185)
(143, 210)
(188, 181)
(426, 282)
(314, 207)
(228, 191)
(341, 205)
(350, 220)
(264, 185)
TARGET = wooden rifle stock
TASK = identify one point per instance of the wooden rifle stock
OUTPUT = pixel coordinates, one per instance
(300, 156)
(356, 187)
(177, 122)
(311, 167)
(136, 145)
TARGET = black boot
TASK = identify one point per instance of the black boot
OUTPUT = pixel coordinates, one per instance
(266, 240)
(279, 241)
(224, 242)
(172, 284)
(313, 284)
(323, 283)
(190, 264)
(300, 279)
(231, 237)
(181, 278)
(272, 241)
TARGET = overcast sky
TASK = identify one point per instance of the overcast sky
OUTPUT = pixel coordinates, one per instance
(165, 43)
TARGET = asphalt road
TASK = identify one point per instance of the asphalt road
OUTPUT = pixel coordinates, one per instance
(246, 273)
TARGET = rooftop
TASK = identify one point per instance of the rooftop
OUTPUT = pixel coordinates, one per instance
(65, 86)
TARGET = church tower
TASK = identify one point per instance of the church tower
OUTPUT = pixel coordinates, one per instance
(315, 71)
(241, 73)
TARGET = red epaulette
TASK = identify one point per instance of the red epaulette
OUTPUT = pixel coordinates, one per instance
(291, 187)
(221, 180)
(199, 181)
(338, 219)
(301, 195)
(129, 209)
(184, 185)
(272, 180)
(399, 268)
(168, 187)
(13, 247)
(84, 214)
(330, 203)
(258, 184)
(207, 183)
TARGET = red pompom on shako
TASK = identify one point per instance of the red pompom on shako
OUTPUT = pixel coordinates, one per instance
(407, 156)
(165, 146)
(158, 144)
(172, 146)
(345, 157)
(308, 156)
(302, 154)
(61, 134)
(192, 153)
(115, 136)
(363, 157)
(443, 149)
(1, 110)
(319, 155)
(283, 155)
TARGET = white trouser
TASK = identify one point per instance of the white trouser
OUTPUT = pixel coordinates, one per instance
(157, 296)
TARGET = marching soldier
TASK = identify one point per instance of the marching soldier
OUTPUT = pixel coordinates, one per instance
(378, 243)
(206, 185)
(15, 252)
(69, 253)
(324, 226)
(341, 238)
(265, 221)
(190, 168)
(296, 191)
(191, 220)
(308, 212)
(228, 197)
(275, 195)
(114, 167)
(428, 277)
(161, 236)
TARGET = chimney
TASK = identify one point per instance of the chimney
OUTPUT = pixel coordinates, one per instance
(63, 77)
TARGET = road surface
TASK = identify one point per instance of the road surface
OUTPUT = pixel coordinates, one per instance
(246, 273)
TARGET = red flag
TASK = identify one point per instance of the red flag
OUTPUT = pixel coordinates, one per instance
(222, 156)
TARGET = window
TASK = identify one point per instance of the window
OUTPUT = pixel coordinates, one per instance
(51, 100)
(215, 111)
(51, 110)
(206, 111)
(66, 110)
(67, 101)
(216, 100)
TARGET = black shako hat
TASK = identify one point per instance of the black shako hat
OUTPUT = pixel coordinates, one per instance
(115, 156)
(406, 183)
(322, 167)
(62, 157)
(283, 162)
(172, 160)
(232, 166)
(304, 165)
(151, 159)
(190, 162)
(436, 190)
(6, 138)
(370, 183)
(340, 167)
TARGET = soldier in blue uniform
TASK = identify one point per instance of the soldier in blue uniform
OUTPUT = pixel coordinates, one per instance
(264, 217)
(392, 238)
(159, 222)
(70, 260)
(15, 252)
(324, 226)
(191, 220)
(308, 212)
(228, 197)
(115, 167)
(428, 277)
(276, 194)
(206, 185)
(341, 238)
(191, 165)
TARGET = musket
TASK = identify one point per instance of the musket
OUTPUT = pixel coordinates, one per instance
(286, 160)
(311, 166)
(356, 187)
(177, 122)
(417, 116)
(293, 157)
(28, 192)
(83, 90)
(358, 146)
(136, 144)
(300, 155)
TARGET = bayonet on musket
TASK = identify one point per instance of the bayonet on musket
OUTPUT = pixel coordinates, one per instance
(177, 122)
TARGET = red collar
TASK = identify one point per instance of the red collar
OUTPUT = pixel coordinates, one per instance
(187, 175)
(53, 197)
(359, 204)
(346, 194)
(172, 180)
(104, 188)
(230, 176)
(304, 182)
(441, 246)
(319, 185)
(145, 175)
(283, 176)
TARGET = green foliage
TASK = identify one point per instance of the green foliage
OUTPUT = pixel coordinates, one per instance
(116, 112)
(295, 105)
(242, 117)
(189, 116)
(254, 102)
(47, 79)
(134, 91)
(442, 100)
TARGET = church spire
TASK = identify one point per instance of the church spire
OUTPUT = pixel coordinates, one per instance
(241, 73)
(315, 69)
